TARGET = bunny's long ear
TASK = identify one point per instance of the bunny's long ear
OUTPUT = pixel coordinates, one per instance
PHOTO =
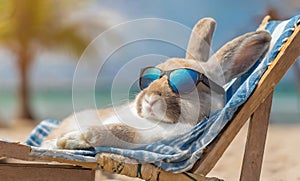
(200, 40)
(238, 56)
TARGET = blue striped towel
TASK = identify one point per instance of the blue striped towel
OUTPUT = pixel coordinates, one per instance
(179, 154)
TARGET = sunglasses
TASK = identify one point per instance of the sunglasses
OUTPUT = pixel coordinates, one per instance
(181, 81)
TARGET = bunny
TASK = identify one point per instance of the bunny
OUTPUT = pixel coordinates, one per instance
(166, 106)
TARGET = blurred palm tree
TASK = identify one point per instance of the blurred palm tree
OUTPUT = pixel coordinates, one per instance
(27, 27)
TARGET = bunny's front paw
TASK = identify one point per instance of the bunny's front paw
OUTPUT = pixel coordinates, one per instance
(73, 140)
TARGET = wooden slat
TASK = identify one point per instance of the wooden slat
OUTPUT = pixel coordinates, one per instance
(255, 145)
(37, 172)
(286, 57)
(90, 165)
(14, 150)
(22, 152)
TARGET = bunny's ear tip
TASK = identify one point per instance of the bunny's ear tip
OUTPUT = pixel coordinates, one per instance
(209, 19)
(263, 32)
(209, 22)
(265, 35)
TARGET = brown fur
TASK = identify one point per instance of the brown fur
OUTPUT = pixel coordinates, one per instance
(123, 132)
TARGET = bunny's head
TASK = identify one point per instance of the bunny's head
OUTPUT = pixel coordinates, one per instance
(187, 90)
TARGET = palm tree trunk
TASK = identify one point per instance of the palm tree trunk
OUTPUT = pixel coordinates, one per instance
(24, 65)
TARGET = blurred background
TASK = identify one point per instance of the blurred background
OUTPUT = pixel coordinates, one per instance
(41, 42)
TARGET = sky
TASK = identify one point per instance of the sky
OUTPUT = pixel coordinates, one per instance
(125, 18)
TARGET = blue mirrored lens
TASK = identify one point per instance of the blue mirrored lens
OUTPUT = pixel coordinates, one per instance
(183, 80)
(149, 75)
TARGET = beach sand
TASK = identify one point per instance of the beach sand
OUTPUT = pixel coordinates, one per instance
(281, 160)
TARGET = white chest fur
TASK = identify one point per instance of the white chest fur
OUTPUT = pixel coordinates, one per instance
(148, 131)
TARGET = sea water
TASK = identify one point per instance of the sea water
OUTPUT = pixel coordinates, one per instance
(57, 103)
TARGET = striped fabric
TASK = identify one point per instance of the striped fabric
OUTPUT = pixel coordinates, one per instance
(179, 154)
(41, 131)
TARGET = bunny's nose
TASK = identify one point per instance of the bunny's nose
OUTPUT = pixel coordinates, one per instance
(150, 102)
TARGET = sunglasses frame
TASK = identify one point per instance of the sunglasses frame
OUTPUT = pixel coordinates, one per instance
(200, 78)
